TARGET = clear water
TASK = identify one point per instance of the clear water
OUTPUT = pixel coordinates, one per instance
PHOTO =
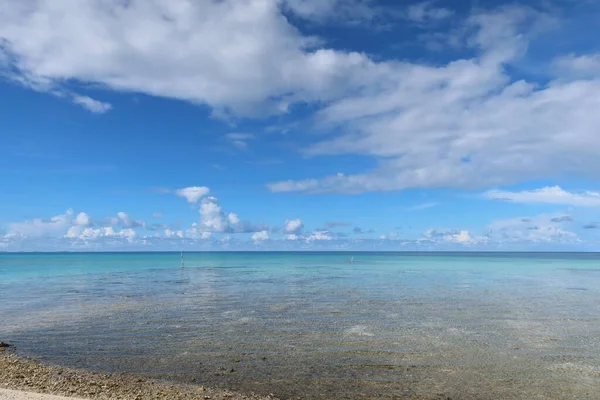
(315, 325)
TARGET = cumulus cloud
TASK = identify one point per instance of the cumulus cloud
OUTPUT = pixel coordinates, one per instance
(233, 219)
(173, 234)
(547, 195)
(260, 236)
(126, 221)
(196, 231)
(193, 193)
(82, 219)
(464, 237)
(542, 228)
(212, 217)
(453, 236)
(239, 57)
(75, 228)
(293, 226)
(76, 232)
(319, 236)
(79, 231)
(38, 227)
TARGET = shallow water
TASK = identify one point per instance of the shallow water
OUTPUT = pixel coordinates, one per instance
(314, 325)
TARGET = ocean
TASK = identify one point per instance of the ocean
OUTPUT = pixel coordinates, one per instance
(333, 325)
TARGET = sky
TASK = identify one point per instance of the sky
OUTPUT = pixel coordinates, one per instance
(299, 125)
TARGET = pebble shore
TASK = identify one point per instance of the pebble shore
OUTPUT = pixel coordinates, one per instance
(19, 373)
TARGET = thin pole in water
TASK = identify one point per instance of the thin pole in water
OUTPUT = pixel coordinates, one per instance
(182, 259)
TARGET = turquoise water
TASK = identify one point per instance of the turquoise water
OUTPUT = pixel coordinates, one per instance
(315, 325)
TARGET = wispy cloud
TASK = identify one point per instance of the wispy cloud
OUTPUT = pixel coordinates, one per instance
(547, 195)
(427, 11)
(423, 206)
(92, 105)
(336, 224)
(239, 140)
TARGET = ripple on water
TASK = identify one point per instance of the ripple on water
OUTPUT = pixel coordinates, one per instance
(370, 330)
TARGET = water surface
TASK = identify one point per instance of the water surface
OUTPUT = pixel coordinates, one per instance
(315, 325)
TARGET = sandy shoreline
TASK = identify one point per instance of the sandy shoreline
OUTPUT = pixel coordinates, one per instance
(22, 378)
(7, 394)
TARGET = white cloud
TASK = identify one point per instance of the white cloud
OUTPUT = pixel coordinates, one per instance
(37, 227)
(319, 236)
(291, 236)
(293, 226)
(468, 123)
(584, 66)
(125, 220)
(239, 57)
(212, 218)
(464, 237)
(233, 219)
(173, 234)
(92, 105)
(75, 232)
(82, 219)
(260, 236)
(127, 233)
(74, 227)
(193, 193)
(239, 140)
(547, 195)
(322, 10)
(544, 228)
(426, 11)
(198, 231)
(423, 206)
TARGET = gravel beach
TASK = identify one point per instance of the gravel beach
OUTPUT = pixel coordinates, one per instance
(20, 376)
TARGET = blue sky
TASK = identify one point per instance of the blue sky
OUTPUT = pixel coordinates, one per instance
(299, 125)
